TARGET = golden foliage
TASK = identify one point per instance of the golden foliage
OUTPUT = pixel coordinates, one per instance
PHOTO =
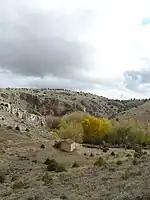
(71, 129)
(95, 129)
(94, 126)
(82, 127)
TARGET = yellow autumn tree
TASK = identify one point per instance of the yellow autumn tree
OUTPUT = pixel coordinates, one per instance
(71, 129)
(95, 129)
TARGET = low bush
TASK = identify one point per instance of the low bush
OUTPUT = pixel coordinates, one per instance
(75, 165)
(48, 161)
(99, 162)
(105, 149)
(9, 127)
(2, 177)
(47, 179)
(135, 161)
(52, 122)
(42, 146)
(112, 153)
(91, 155)
(119, 162)
(55, 166)
(17, 128)
(128, 155)
(18, 185)
(138, 152)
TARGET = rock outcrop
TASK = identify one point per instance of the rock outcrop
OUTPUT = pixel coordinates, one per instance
(22, 114)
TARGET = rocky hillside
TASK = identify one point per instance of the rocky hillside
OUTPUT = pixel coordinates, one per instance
(26, 146)
(58, 102)
(141, 113)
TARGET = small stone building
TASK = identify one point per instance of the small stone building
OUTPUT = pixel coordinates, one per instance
(67, 145)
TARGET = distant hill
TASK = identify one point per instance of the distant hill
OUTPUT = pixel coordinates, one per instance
(141, 112)
(58, 102)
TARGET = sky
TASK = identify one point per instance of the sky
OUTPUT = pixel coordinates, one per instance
(97, 46)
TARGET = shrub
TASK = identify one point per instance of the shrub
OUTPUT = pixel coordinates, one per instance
(9, 127)
(17, 128)
(34, 161)
(48, 161)
(75, 165)
(129, 132)
(42, 146)
(54, 166)
(52, 121)
(18, 185)
(119, 162)
(128, 155)
(99, 162)
(91, 155)
(105, 149)
(134, 162)
(14, 178)
(112, 169)
(112, 153)
(27, 130)
(129, 146)
(63, 197)
(145, 152)
(138, 152)
(47, 178)
(2, 177)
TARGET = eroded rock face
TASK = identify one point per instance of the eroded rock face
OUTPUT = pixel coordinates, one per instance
(22, 114)
(49, 106)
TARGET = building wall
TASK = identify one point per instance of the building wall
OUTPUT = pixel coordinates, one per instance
(73, 146)
(67, 147)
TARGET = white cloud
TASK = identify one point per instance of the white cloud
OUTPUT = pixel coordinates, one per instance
(118, 31)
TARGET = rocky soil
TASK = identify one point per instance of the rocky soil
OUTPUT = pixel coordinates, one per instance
(26, 176)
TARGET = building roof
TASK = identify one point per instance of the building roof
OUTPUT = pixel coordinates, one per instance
(69, 141)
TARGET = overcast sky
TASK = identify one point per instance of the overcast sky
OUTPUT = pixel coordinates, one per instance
(99, 46)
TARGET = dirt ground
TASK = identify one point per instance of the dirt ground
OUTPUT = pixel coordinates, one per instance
(26, 177)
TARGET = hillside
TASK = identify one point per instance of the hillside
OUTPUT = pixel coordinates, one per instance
(141, 113)
(58, 102)
(25, 145)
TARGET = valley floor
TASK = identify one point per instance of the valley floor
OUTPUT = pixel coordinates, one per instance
(26, 177)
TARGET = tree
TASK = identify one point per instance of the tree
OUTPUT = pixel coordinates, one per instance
(95, 129)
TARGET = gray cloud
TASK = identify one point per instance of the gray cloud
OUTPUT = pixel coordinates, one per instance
(34, 43)
(138, 80)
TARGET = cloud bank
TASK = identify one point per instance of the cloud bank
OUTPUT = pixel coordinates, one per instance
(101, 46)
